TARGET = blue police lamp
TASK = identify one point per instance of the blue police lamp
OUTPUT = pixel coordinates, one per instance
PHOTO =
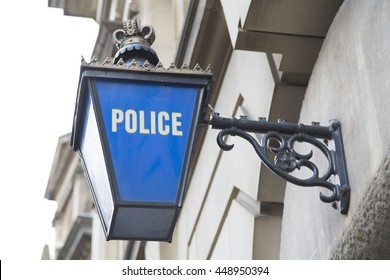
(135, 127)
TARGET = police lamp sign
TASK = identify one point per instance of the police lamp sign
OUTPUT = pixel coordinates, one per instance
(147, 129)
(135, 130)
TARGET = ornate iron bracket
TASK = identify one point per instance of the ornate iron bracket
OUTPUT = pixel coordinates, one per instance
(280, 138)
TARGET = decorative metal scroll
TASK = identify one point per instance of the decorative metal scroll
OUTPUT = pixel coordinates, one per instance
(286, 159)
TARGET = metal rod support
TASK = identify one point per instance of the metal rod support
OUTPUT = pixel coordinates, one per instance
(263, 126)
(286, 159)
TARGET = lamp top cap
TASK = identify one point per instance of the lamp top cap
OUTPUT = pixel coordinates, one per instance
(132, 30)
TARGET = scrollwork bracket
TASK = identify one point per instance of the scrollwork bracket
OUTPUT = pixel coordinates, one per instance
(286, 159)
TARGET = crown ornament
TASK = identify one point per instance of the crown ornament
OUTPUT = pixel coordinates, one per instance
(134, 43)
(133, 32)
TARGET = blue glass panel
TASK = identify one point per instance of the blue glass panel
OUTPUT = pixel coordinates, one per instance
(94, 165)
(147, 128)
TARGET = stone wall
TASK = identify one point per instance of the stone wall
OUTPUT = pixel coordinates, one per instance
(350, 82)
(368, 235)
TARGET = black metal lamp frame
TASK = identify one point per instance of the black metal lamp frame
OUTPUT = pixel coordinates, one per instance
(286, 160)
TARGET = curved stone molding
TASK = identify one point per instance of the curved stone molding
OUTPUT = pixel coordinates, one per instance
(368, 235)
